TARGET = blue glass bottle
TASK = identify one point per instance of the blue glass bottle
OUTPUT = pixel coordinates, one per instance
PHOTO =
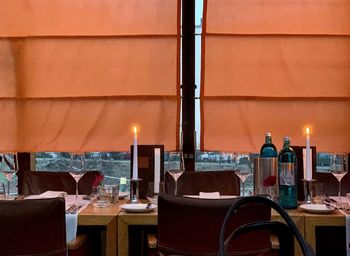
(287, 176)
(268, 149)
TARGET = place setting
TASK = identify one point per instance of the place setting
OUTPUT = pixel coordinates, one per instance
(322, 203)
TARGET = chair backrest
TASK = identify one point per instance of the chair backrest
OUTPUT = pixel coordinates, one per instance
(191, 183)
(37, 182)
(33, 227)
(191, 226)
(284, 231)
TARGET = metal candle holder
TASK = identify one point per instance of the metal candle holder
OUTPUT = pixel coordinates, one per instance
(308, 191)
(134, 191)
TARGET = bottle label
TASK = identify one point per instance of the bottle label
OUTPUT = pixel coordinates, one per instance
(287, 174)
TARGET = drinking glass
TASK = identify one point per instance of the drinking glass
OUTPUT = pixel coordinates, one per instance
(175, 167)
(338, 168)
(9, 167)
(77, 169)
(242, 167)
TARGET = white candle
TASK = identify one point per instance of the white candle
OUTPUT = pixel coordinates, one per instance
(135, 165)
(308, 167)
(156, 169)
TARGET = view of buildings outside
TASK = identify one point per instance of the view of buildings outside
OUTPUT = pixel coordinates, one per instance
(115, 165)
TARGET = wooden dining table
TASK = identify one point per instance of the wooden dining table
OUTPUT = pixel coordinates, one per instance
(116, 223)
(126, 219)
(305, 222)
(105, 217)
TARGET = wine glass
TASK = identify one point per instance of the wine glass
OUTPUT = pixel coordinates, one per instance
(175, 167)
(242, 167)
(338, 168)
(77, 169)
(9, 167)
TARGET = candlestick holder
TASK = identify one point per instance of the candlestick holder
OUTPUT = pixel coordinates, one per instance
(134, 191)
(308, 191)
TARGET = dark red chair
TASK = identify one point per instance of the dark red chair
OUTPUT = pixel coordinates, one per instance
(37, 182)
(35, 227)
(191, 226)
(191, 183)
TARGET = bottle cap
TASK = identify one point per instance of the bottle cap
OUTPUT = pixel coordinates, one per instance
(286, 138)
(268, 134)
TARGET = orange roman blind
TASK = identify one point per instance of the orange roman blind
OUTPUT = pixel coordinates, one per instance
(77, 75)
(278, 66)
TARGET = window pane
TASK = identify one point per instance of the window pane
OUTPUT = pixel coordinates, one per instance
(113, 165)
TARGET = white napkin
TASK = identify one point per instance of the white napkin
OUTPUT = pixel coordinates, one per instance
(209, 195)
(72, 222)
(72, 219)
(48, 194)
(71, 226)
(347, 221)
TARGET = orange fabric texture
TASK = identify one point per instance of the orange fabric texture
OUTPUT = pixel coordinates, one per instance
(76, 76)
(87, 17)
(278, 17)
(275, 66)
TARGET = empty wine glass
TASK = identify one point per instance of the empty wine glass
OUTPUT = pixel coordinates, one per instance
(9, 167)
(242, 168)
(338, 167)
(175, 167)
(77, 169)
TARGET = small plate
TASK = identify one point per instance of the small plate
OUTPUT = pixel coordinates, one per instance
(317, 208)
(138, 207)
(122, 195)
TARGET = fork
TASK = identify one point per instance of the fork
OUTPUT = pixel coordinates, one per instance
(76, 209)
(70, 209)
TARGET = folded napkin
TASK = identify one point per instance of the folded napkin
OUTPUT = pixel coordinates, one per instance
(209, 195)
(48, 194)
(71, 226)
(345, 200)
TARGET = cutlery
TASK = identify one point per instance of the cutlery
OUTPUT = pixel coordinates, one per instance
(76, 209)
(70, 209)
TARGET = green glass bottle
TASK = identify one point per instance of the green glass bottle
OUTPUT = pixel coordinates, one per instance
(268, 149)
(287, 162)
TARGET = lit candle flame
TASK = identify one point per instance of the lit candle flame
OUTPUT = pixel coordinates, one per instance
(135, 130)
(307, 130)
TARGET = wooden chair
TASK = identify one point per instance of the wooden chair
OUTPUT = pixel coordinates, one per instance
(191, 226)
(37, 182)
(36, 227)
(191, 183)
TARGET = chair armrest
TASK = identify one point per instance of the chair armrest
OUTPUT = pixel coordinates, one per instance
(77, 242)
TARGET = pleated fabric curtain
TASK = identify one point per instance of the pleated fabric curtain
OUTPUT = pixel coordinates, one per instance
(78, 75)
(278, 66)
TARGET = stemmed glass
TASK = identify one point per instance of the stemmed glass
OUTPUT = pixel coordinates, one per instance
(338, 167)
(9, 167)
(242, 167)
(77, 169)
(175, 167)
